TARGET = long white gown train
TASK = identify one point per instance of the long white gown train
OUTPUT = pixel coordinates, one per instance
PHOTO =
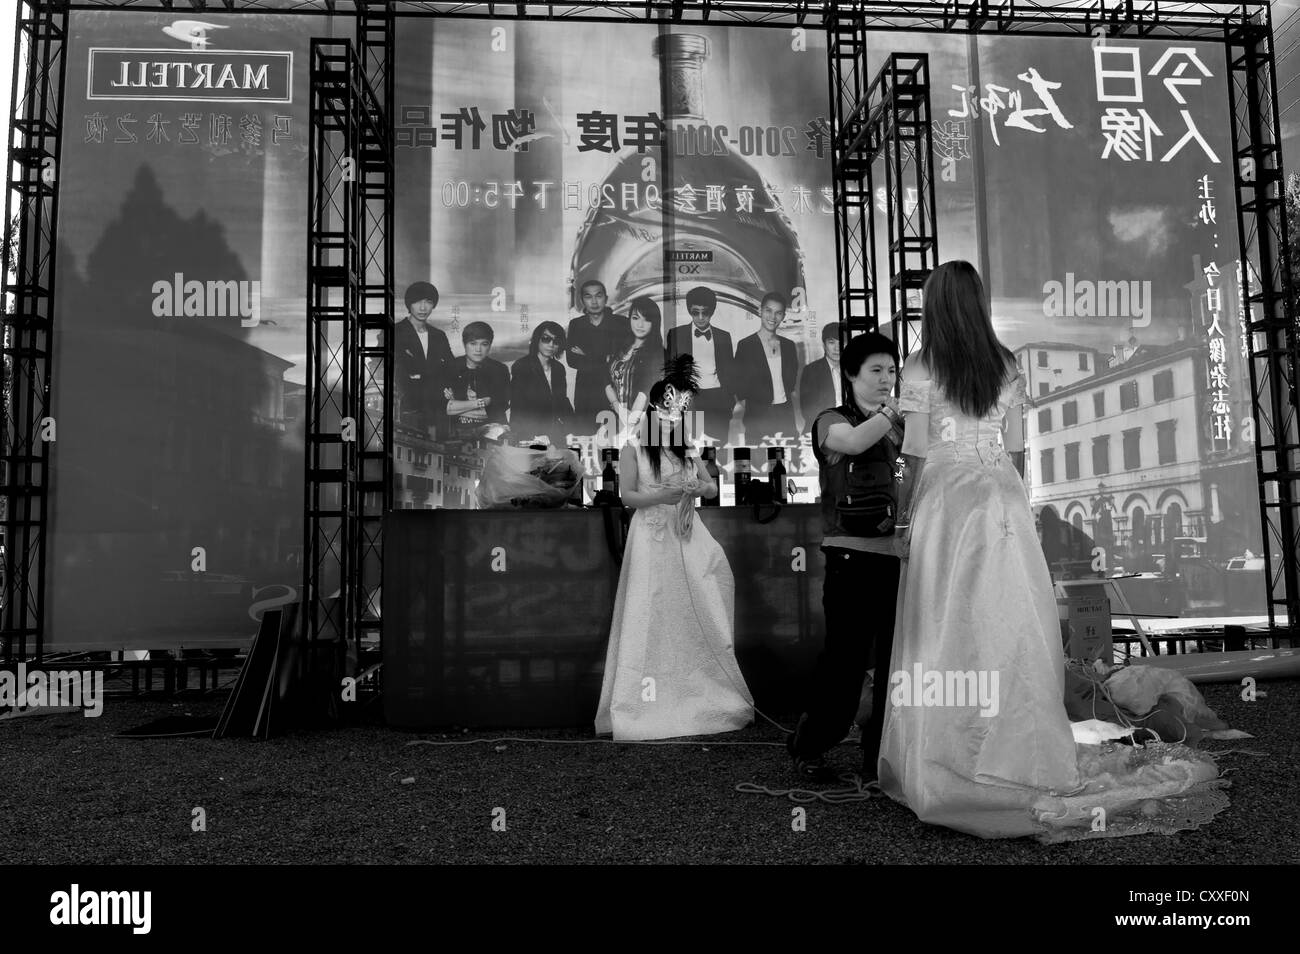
(976, 597)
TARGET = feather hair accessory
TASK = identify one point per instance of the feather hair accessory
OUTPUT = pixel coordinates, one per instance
(681, 380)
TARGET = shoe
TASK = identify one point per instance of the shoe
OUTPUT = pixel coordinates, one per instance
(815, 769)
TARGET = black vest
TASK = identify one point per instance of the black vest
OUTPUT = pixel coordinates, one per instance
(854, 479)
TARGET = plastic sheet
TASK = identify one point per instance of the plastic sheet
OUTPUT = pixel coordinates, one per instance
(521, 478)
(1139, 689)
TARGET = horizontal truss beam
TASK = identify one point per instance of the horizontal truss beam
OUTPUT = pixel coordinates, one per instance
(1135, 18)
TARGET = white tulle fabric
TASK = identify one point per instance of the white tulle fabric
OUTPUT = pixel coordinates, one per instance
(976, 595)
(670, 669)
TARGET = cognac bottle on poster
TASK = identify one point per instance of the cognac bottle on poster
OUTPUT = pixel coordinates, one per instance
(702, 216)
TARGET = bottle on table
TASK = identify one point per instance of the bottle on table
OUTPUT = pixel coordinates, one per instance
(609, 473)
(740, 459)
(710, 457)
(776, 473)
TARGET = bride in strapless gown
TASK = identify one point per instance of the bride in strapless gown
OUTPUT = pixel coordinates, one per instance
(977, 610)
(670, 669)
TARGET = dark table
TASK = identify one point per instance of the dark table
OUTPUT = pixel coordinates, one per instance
(501, 618)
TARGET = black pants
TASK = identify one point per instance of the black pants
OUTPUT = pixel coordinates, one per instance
(859, 597)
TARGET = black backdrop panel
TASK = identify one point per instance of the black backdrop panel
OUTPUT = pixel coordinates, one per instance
(502, 618)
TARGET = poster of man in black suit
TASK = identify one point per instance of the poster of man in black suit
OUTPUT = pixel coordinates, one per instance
(766, 369)
(593, 338)
(714, 361)
(820, 383)
(539, 389)
(421, 355)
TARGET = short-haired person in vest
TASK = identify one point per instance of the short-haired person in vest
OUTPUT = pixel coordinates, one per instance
(856, 445)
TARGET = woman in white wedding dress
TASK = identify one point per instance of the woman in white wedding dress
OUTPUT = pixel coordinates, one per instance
(670, 669)
(976, 608)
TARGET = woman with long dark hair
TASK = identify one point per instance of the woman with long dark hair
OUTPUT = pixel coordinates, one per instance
(636, 363)
(976, 735)
(539, 389)
(670, 669)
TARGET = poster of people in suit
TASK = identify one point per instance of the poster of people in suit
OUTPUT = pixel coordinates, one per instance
(548, 180)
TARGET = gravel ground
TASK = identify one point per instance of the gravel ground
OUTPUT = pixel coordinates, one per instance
(76, 794)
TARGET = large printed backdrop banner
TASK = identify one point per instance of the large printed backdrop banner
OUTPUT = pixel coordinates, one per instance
(180, 344)
(1088, 181)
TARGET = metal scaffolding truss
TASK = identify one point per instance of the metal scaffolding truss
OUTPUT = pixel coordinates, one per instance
(890, 120)
(349, 304)
(1262, 230)
(1148, 18)
(855, 237)
(31, 196)
(374, 363)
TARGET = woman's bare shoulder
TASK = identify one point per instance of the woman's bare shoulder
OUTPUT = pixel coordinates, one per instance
(915, 369)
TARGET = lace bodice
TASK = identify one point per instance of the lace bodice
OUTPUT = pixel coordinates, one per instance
(954, 434)
(665, 517)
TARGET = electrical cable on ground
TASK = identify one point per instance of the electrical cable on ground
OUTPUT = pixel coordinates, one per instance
(704, 743)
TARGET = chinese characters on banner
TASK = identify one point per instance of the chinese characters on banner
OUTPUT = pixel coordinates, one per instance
(1220, 409)
(516, 128)
(951, 143)
(1129, 131)
(598, 131)
(1243, 297)
(632, 196)
(1128, 135)
(221, 129)
(1019, 117)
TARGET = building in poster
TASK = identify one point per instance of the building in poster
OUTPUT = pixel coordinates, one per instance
(1118, 454)
(1050, 365)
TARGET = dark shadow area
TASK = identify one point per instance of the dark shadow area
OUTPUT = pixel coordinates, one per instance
(171, 436)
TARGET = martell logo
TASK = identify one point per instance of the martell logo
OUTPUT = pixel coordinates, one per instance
(196, 74)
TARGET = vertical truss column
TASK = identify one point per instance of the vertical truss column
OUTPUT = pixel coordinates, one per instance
(846, 42)
(31, 197)
(890, 120)
(333, 306)
(374, 360)
(349, 295)
(1262, 231)
(909, 179)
